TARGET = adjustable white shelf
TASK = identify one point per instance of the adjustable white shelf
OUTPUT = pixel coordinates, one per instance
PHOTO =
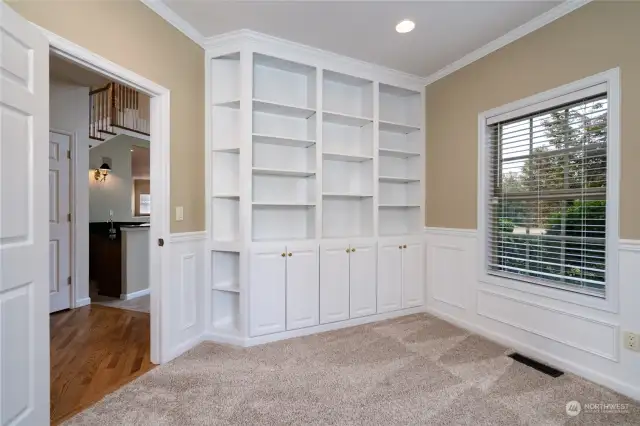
(397, 153)
(345, 195)
(284, 141)
(234, 104)
(280, 172)
(387, 126)
(281, 109)
(345, 119)
(346, 157)
(300, 151)
(394, 179)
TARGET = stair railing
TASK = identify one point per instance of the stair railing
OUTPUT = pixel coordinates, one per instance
(117, 106)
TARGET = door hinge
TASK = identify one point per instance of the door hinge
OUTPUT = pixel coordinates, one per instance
(69, 154)
(160, 242)
(69, 280)
(68, 217)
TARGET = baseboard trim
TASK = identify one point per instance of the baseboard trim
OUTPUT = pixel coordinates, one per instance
(135, 294)
(184, 347)
(322, 328)
(83, 302)
(228, 339)
(540, 355)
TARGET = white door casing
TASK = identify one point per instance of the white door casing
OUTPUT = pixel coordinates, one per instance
(389, 276)
(302, 286)
(59, 223)
(24, 233)
(334, 282)
(267, 290)
(412, 283)
(362, 280)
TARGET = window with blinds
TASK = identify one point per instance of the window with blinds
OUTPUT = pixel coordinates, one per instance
(547, 196)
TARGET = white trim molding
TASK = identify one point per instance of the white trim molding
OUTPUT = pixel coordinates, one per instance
(166, 13)
(610, 81)
(568, 6)
(629, 245)
(321, 328)
(459, 232)
(310, 55)
(159, 259)
(135, 294)
(82, 302)
(513, 35)
(181, 237)
(572, 337)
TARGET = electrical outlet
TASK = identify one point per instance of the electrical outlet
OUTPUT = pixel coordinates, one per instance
(632, 341)
(179, 213)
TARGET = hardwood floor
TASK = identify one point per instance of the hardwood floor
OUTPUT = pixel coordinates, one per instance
(94, 351)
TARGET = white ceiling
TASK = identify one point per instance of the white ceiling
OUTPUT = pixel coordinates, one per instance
(445, 30)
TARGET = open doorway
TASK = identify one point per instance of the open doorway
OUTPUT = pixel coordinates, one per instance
(100, 225)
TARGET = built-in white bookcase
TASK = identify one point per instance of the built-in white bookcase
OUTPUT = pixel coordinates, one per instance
(284, 151)
(400, 162)
(304, 148)
(347, 136)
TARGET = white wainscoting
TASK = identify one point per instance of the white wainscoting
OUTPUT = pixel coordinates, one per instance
(571, 337)
(187, 296)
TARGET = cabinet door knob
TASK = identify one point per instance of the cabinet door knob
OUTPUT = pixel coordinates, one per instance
(352, 250)
(400, 247)
(404, 246)
(283, 255)
(347, 250)
(290, 254)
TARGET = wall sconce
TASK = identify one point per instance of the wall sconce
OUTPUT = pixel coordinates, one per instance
(101, 173)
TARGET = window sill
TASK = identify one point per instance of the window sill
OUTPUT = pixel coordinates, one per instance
(606, 303)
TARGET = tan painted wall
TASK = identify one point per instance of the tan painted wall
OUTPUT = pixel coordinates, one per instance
(131, 35)
(594, 38)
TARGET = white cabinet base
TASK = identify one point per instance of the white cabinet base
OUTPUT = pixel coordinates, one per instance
(274, 337)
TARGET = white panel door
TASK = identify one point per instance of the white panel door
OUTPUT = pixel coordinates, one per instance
(303, 292)
(59, 225)
(24, 230)
(267, 290)
(389, 276)
(412, 281)
(334, 282)
(362, 280)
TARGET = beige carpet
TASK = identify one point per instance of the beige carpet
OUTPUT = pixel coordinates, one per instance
(408, 371)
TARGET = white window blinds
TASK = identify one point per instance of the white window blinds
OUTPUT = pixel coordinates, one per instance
(547, 195)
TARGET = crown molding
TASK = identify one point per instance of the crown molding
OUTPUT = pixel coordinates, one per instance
(536, 23)
(166, 13)
(250, 35)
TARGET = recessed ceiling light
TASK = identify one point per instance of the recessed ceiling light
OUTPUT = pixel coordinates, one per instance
(405, 26)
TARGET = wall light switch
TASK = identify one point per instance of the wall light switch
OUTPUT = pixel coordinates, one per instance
(179, 213)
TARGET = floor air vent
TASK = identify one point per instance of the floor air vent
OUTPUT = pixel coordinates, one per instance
(549, 371)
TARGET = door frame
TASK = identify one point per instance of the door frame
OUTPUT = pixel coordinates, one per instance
(159, 259)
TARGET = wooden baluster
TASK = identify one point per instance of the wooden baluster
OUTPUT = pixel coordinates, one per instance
(118, 103)
(90, 115)
(135, 108)
(128, 125)
(101, 112)
(98, 113)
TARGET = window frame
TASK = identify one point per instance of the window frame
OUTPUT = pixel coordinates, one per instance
(539, 102)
